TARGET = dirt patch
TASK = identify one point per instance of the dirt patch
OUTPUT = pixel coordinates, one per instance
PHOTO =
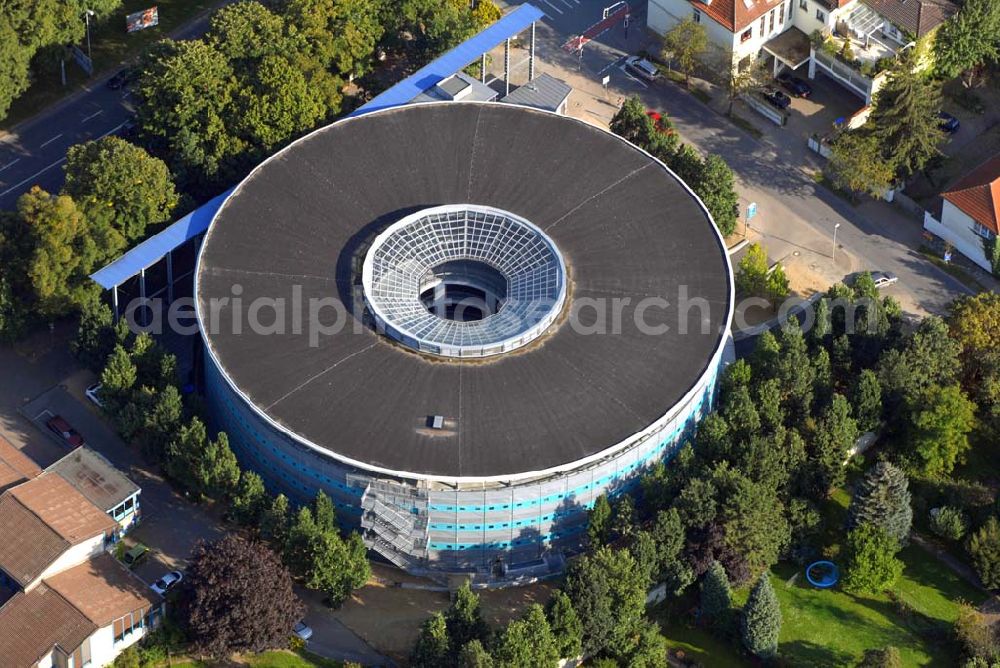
(388, 617)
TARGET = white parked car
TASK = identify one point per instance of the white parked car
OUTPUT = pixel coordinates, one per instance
(166, 583)
(303, 631)
(884, 279)
(642, 68)
(94, 394)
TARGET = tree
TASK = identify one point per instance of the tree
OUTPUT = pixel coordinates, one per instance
(527, 642)
(940, 426)
(717, 190)
(904, 117)
(716, 598)
(298, 552)
(974, 322)
(668, 534)
(744, 77)
(340, 33)
(200, 464)
(337, 566)
(856, 164)
(624, 523)
(185, 104)
(632, 123)
(118, 378)
(437, 25)
(751, 275)
(984, 548)
(250, 501)
(776, 286)
(474, 655)
(968, 40)
(324, 512)
(884, 657)
(882, 499)
(949, 522)
(753, 521)
(161, 422)
(65, 251)
(760, 623)
(872, 565)
(567, 630)
(608, 592)
(431, 648)
(274, 523)
(649, 649)
(686, 42)
(118, 184)
(15, 59)
(465, 619)
(833, 438)
(236, 596)
(599, 521)
(867, 400)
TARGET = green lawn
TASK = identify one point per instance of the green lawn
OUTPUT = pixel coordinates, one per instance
(111, 47)
(831, 628)
(276, 659)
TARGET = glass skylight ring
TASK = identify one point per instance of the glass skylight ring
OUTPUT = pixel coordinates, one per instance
(399, 259)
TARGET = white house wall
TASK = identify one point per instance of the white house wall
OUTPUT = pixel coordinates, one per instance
(957, 228)
(72, 557)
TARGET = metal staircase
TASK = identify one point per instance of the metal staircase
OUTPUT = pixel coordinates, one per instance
(394, 520)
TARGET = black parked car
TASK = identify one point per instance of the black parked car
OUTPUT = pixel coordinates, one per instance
(948, 123)
(776, 98)
(122, 79)
(797, 86)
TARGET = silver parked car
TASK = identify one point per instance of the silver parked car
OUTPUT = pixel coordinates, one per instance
(884, 279)
(303, 631)
(642, 68)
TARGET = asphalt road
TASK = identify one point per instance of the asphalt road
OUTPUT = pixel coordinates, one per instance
(33, 153)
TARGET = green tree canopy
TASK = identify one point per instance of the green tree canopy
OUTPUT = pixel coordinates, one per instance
(716, 598)
(120, 185)
(939, 431)
(432, 646)
(904, 117)
(685, 43)
(857, 164)
(760, 623)
(567, 630)
(527, 642)
(984, 548)
(882, 499)
(872, 566)
(968, 40)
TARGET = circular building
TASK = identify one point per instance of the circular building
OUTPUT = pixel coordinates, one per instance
(464, 322)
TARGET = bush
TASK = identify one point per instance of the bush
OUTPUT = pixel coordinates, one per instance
(949, 522)
(984, 547)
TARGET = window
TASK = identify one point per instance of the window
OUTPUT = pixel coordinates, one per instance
(771, 25)
(697, 16)
(747, 34)
(983, 231)
(804, 5)
(820, 16)
(762, 20)
(781, 15)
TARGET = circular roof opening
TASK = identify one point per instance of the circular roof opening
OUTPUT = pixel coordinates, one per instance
(463, 280)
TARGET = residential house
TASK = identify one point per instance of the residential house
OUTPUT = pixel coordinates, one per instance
(970, 212)
(102, 484)
(64, 601)
(15, 466)
(779, 31)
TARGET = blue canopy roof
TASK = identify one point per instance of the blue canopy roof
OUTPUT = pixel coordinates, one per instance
(150, 251)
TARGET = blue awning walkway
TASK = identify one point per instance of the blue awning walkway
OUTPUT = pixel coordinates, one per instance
(152, 250)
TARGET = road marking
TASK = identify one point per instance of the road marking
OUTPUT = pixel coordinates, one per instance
(54, 164)
(96, 113)
(41, 171)
(615, 63)
(51, 140)
(638, 81)
(10, 164)
(553, 6)
(566, 2)
(114, 129)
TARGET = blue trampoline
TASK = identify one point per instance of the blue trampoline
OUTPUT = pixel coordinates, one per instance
(823, 574)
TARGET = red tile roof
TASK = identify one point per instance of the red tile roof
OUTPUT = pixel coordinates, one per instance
(27, 545)
(15, 466)
(103, 590)
(32, 623)
(918, 17)
(63, 508)
(978, 194)
(735, 15)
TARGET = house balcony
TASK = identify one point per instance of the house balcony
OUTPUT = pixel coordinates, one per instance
(859, 68)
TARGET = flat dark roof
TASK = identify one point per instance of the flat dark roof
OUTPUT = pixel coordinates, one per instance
(627, 228)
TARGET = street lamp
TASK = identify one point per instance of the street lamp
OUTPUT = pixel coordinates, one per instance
(833, 255)
(86, 17)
